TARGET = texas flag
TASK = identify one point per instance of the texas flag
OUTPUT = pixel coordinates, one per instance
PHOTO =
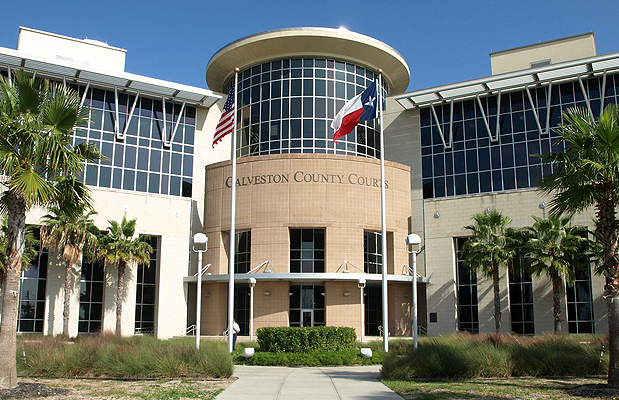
(362, 107)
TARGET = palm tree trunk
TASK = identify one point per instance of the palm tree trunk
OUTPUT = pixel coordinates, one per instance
(607, 232)
(557, 284)
(613, 348)
(497, 298)
(67, 298)
(119, 296)
(8, 329)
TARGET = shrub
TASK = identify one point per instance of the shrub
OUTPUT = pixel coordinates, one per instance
(306, 339)
(320, 358)
(126, 358)
(558, 355)
(463, 356)
(309, 359)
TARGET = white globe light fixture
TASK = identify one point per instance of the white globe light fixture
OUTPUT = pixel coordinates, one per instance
(200, 245)
(412, 246)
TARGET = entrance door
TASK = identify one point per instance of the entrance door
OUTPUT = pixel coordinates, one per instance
(307, 317)
(307, 305)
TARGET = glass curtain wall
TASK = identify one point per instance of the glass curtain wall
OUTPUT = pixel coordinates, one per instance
(242, 250)
(31, 311)
(477, 163)
(580, 303)
(286, 106)
(242, 306)
(372, 252)
(468, 313)
(91, 297)
(307, 250)
(307, 305)
(146, 292)
(373, 310)
(144, 160)
(521, 302)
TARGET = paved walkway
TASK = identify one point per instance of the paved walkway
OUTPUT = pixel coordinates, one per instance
(311, 383)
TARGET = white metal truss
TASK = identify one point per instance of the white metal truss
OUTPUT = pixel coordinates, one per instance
(123, 81)
(486, 121)
(536, 77)
(85, 94)
(440, 129)
(119, 131)
(129, 116)
(178, 120)
(548, 98)
(586, 97)
(116, 126)
(168, 140)
(534, 111)
(603, 94)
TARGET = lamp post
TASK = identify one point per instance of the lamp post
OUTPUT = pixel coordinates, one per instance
(412, 246)
(200, 240)
(252, 284)
(361, 285)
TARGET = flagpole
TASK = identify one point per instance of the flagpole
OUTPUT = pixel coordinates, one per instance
(232, 224)
(383, 216)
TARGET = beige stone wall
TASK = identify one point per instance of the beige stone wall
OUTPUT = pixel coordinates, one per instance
(173, 219)
(343, 310)
(214, 309)
(455, 213)
(402, 144)
(338, 193)
(162, 216)
(437, 261)
(400, 309)
(271, 310)
(557, 51)
(54, 307)
(341, 202)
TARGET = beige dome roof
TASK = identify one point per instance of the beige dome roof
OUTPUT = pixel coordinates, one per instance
(339, 44)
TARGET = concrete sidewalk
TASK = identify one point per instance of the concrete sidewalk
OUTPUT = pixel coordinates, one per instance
(311, 383)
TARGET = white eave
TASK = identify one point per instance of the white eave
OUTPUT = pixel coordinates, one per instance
(530, 78)
(123, 81)
(306, 277)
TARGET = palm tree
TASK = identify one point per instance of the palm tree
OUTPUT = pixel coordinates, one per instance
(587, 175)
(555, 248)
(30, 248)
(68, 234)
(120, 247)
(40, 163)
(492, 245)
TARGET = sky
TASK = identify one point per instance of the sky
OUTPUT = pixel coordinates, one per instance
(443, 41)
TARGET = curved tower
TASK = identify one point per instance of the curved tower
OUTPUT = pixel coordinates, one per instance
(308, 216)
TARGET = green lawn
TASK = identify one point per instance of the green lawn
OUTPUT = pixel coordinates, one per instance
(504, 389)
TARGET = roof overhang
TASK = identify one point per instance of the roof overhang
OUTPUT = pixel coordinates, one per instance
(127, 82)
(512, 81)
(305, 277)
(279, 44)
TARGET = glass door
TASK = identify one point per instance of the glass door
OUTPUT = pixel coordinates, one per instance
(307, 318)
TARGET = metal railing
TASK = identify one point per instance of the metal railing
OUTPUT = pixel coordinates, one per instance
(190, 330)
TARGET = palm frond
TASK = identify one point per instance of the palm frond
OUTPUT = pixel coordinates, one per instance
(30, 93)
(36, 189)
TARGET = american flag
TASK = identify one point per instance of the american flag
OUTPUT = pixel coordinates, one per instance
(226, 122)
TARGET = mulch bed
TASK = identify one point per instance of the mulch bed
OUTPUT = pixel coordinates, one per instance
(31, 390)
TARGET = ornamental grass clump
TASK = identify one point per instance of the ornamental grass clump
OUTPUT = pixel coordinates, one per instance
(559, 355)
(139, 357)
(446, 358)
(464, 356)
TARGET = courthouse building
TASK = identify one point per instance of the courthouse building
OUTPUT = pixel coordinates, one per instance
(308, 214)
